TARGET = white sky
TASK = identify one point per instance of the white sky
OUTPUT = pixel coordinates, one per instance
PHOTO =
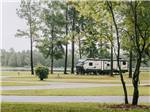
(10, 22)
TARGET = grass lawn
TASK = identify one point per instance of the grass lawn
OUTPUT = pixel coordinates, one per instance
(26, 76)
(95, 91)
(70, 107)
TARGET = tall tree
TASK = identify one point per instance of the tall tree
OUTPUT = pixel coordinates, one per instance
(53, 22)
(72, 17)
(66, 53)
(111, 9)
(89, 43)
(127, 33)
(80, 25)
(28, 10)
(141, 20)
(73, 30)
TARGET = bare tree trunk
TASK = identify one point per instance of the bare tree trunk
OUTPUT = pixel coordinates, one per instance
(130, 64)
(66, 53)
(52, 50)
(73, 29)
(52, 64)
(66, 59)
(136, 81)
(31, 43)
(80, 56)
(135, 78)
(111, 73)
(81, 29)
(72, 67)
(109, 3)
(31, 58)
(111, 60)
(52, 60)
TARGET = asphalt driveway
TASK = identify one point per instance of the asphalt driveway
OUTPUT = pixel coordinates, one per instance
(100, 99)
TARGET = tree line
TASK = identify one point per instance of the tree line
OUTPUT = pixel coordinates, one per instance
(11, 58)
(92, 28)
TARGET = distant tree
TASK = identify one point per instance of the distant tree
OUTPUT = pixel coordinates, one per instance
(12, 61)
(18, 59)
(89, 44)
(89, 48)
(4, 57)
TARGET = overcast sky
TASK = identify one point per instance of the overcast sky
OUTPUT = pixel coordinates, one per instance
(10, 22)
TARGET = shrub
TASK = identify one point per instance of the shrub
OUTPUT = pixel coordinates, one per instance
(42, 72)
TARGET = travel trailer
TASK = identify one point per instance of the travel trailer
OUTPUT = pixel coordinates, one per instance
(99, 66)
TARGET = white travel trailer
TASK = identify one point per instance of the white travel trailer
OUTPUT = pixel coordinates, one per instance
(100, 66)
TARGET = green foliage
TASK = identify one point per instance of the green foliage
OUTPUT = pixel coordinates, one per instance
(42, 71)
(53, 21)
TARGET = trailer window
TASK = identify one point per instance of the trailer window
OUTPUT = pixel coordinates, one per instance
(124, 63)
(90, 64)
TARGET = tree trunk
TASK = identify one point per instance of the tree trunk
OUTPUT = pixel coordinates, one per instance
(135, 78)
(72, 67)
(130, 64)
(80, 56)
(32, 70)
(73, 29)
(52, 63)
(111, 41)
(31, 44)
(111, 60)
(52, 50)
(81, 29)
(140, 50)
(66, 53)
(66, 59)
(136, 81)
(120, 72)
(109, 3)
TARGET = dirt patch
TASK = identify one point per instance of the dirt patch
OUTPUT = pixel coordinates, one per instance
(126, 107)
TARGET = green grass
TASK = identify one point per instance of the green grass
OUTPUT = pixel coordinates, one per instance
(95, 91)
(65, 107)
(26, 76)
(19, 84)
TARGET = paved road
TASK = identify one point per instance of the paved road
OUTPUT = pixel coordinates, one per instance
(101, 99)
(142, 81)
(58, 85)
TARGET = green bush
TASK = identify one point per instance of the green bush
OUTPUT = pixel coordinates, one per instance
(42, 72)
